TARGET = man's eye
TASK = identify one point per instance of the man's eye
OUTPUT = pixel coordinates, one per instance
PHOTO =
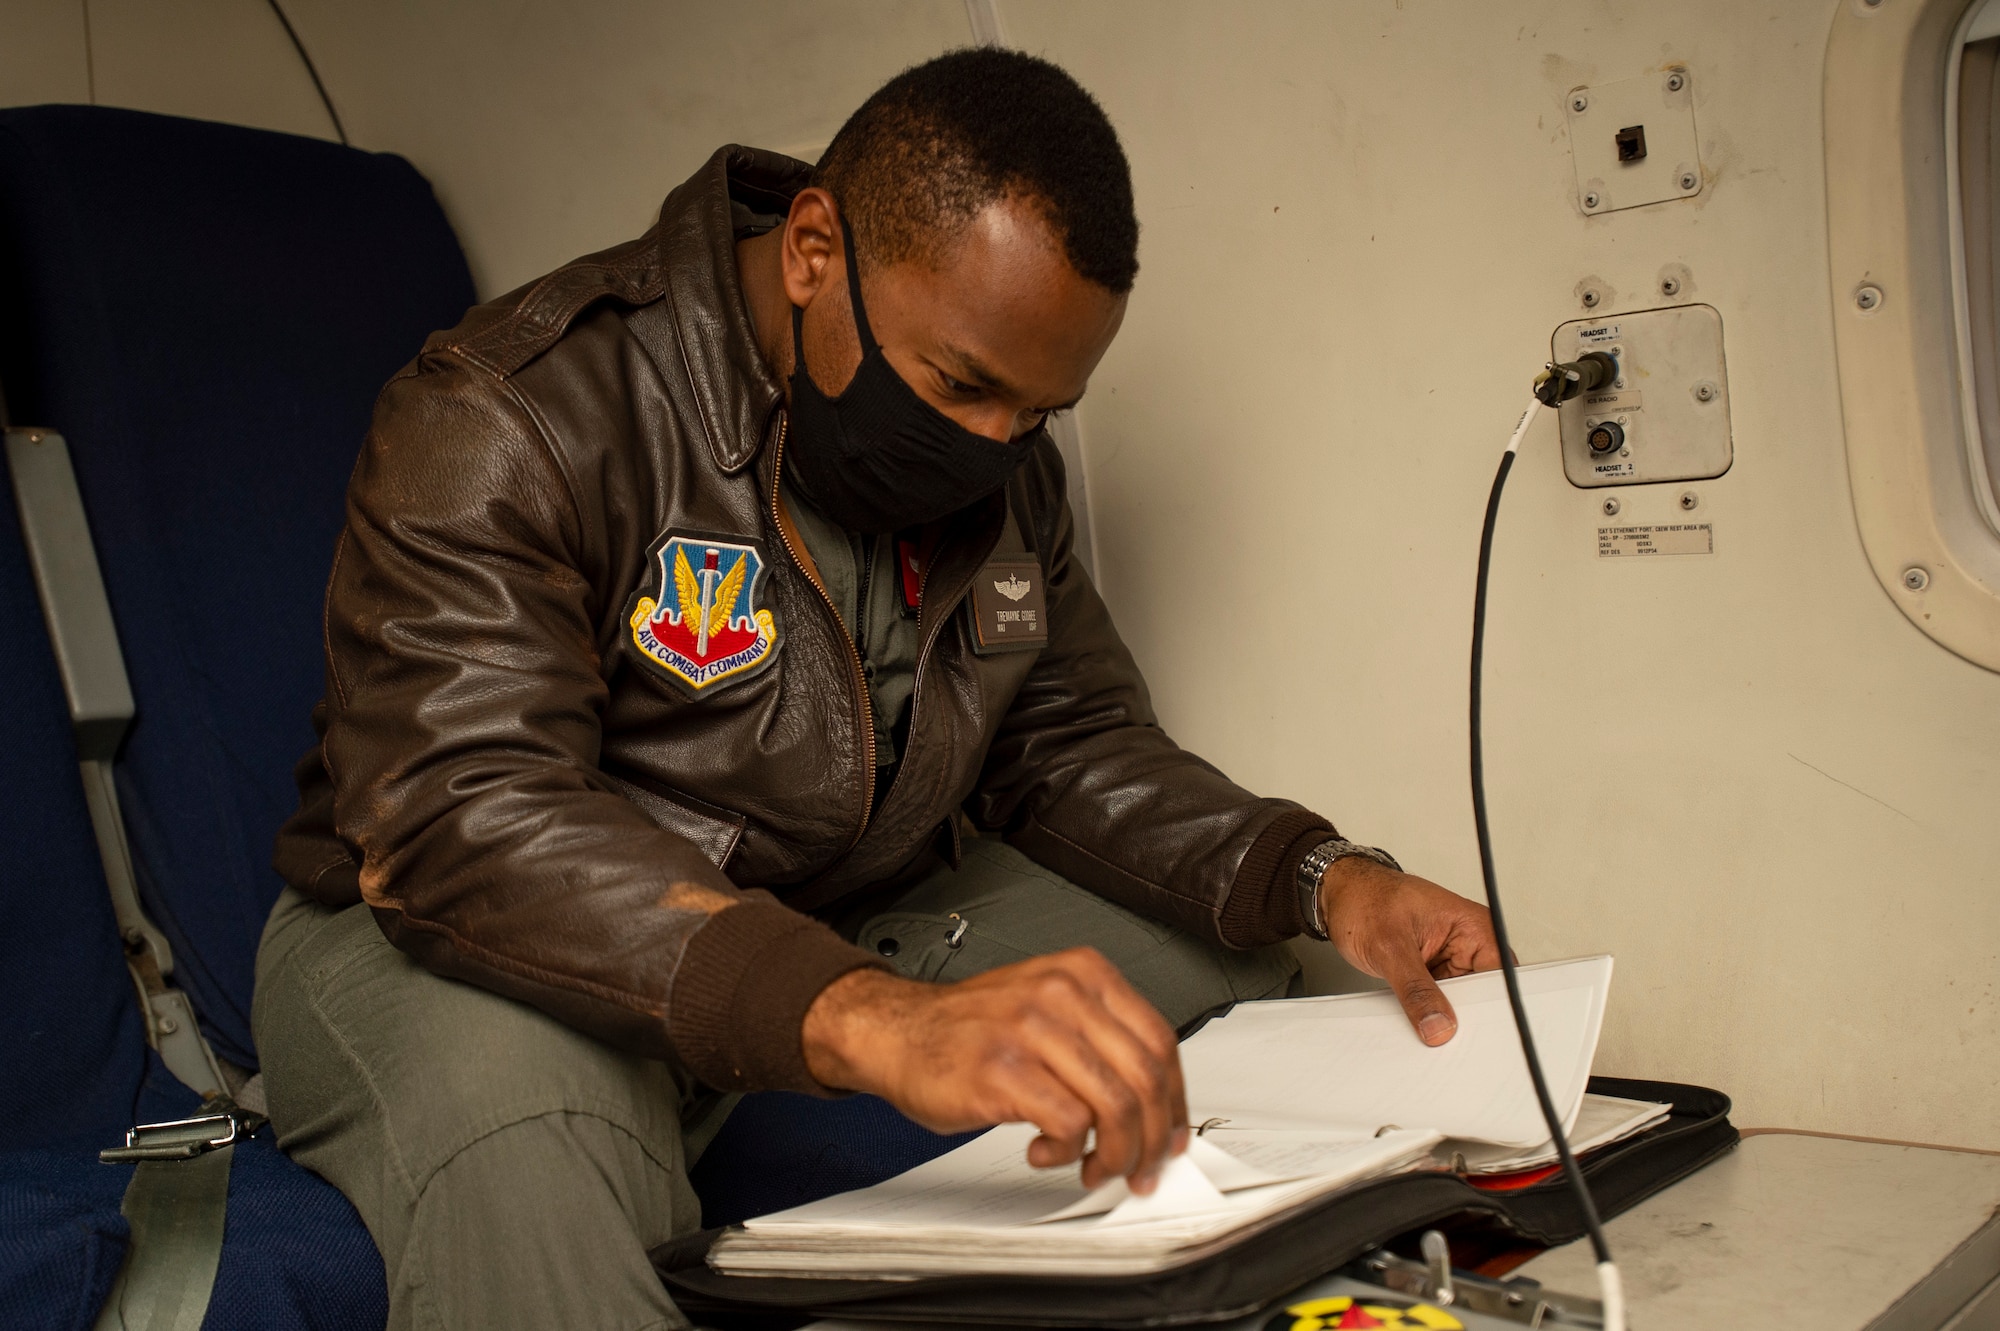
(958, 387)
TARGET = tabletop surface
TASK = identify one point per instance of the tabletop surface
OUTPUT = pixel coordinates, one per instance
(1789, 1230)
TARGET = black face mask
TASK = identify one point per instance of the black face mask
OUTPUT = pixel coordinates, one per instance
(878, 458)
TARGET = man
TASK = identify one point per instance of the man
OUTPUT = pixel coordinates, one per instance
(710, 683)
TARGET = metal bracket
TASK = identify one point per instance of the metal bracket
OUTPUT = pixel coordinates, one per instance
(81, 629)
(222, 1122)
(84, 634)
(1517, 1299)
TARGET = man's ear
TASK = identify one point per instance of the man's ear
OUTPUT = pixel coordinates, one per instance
(812, 238)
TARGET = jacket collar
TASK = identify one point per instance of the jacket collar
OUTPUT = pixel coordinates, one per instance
(734, 389)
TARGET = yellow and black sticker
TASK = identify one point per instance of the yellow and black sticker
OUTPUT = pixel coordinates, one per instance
(1346, 1311)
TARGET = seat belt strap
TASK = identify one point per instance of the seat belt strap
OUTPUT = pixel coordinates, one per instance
(177, 1211)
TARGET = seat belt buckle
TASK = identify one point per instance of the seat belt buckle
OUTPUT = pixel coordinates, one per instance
(221, 1123)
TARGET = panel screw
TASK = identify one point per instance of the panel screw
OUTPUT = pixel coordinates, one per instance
(1690, 501)
(1590, 299)
(34, 436)
(1868, 298)
(1689, 180)
(1704, 392)
(1579, 102)
(1611, 508)
(1670, 286)
(1676, 81)
(1915, 578)
(168, 1026)
(1591, 200)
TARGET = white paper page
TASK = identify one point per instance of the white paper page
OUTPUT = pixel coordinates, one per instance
(1183, 1190)
(987, 1181)
(988, 1184)
(1215, 1172)
(1351, 1062)
(1601, 1120)
(1288, 1154)
(893, 1248)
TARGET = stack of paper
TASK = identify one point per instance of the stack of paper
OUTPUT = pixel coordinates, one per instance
(1601, 1120)
(1296, 1099)
(981, 1210)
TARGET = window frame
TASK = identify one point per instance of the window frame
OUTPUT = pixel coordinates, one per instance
(1923, 499)
(1981, 21)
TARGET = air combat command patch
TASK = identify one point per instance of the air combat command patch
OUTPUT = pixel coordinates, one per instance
(702, 626)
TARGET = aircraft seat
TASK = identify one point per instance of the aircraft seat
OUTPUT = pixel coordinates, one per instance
(211, 311)
(205, 313)
(75, 1071)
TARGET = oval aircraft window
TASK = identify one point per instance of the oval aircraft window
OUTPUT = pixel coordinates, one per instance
(1975, 201)
(1912, 103)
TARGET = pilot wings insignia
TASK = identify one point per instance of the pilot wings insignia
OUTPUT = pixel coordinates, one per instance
(1009, 606)
(702, 624)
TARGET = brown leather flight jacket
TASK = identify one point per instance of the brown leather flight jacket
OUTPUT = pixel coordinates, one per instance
(530, 801)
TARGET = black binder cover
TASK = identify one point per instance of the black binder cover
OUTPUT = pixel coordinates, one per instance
(1320, 1238)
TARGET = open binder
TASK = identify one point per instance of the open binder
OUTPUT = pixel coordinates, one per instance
(1311, 1173)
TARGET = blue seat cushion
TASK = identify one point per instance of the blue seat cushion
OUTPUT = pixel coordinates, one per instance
(61, 1237)
(210, 313)
(780, 1149)
(295, 1256)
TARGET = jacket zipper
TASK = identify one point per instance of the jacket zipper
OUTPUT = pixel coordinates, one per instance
(867, 711)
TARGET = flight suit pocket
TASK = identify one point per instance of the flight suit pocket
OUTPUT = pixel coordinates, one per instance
(935, 948)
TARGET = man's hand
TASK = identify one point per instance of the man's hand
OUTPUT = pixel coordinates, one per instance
(1060, 1041)
(1410, 932)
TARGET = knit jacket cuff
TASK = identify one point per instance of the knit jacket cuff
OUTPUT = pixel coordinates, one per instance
(1263, 904)
(741, 992)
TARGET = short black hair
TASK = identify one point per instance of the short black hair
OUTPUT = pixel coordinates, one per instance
(942, 140)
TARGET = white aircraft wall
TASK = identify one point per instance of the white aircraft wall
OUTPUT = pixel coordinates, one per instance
(1746, 775)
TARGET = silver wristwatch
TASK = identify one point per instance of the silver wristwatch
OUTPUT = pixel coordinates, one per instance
(1313, 868)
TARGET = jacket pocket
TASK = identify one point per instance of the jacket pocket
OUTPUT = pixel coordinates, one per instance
(715, 832)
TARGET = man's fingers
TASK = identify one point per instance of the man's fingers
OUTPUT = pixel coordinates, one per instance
(1062, 1042)
(1155, 1083)
(1146, 1040)
(1070, 1048)
(1470, 948)
(1424, 1003)
(1476, 938)
(1129, 1078)
(1041, 1098)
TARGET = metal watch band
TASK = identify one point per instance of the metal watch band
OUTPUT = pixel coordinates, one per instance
(1313, 868)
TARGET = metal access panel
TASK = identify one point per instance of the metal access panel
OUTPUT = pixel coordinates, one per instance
(1633, 142)
(1666, 416)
